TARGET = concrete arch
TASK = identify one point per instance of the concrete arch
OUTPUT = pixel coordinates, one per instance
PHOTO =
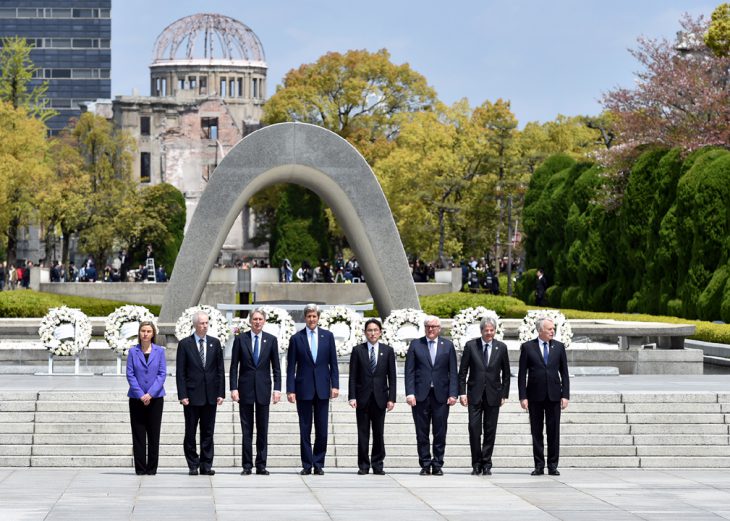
(321, 161)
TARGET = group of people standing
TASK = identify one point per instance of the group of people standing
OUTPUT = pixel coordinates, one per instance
(433, 384)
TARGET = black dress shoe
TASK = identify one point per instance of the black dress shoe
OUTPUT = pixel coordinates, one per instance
(554, 472)
(476, 471)
(193, 472)
(262, 472)
(537, 472)
(361, 472)
(379, 472)
(151, 472)
(305, 472)
(487, 472)
(437, 472)
(246, 472)
(318, 472)
(209, 472)
(425, 471)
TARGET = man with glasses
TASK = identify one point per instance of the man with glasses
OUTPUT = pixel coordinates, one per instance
(372, 391)
(431, 388)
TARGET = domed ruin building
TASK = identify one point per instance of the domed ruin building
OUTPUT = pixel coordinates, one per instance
(208, 87)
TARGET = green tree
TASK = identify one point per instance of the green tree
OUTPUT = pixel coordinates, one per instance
(23, 171)
(717, 37)
(107, 165)
(16, 79)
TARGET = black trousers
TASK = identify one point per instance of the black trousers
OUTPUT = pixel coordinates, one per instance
(482, 418)
(246, 413)
(146, 421)
(427, 414)
(318, 409)
(547, 413)
(205, 416)
(370, 416)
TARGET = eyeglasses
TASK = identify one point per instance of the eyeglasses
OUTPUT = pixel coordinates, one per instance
(433, 327)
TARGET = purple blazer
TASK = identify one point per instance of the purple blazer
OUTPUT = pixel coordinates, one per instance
(146, 376)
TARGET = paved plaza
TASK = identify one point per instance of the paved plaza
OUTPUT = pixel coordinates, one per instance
(510, 494)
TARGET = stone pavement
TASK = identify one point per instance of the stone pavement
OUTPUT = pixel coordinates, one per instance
(510, 494)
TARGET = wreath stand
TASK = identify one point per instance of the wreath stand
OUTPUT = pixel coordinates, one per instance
(119, 371)
(77, 367)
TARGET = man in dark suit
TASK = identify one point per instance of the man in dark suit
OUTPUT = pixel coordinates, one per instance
(312, 378)
(540, 287)
(431, 388)
(254, 360)
(201, 387)
(544, 387)
(486, 362)
(372, 391)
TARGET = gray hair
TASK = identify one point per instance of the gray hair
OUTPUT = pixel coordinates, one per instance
(197, 315)
(260, 311)
(309, 308)
(540, 321)
(487, 320)
(431, 318)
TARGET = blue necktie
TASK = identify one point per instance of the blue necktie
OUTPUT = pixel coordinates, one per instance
(545, 351)
(373, 363)
(256, 350)
(313, 345)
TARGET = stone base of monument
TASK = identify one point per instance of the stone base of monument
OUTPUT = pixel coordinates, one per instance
(598, 430)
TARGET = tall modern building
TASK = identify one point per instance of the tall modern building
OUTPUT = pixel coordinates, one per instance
(72, 49)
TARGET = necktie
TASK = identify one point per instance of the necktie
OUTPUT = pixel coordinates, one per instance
(373, 363)
(487, 348)
(256, 350)
(432, 350)
(313, 344)
(545, 351)
(201, 350)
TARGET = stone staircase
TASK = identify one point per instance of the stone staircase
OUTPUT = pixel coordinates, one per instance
(599, 430)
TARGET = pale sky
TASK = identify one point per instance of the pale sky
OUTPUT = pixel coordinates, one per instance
(546, 57)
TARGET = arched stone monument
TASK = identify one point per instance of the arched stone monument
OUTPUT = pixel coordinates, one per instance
(321, 161)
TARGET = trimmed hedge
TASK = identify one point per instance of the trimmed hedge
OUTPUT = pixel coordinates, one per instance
(28, 303)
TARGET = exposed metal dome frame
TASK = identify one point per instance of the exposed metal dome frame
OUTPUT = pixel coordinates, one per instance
(221, 34)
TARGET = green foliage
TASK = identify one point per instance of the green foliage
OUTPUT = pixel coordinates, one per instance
(449, 304)
(717, 37)
(28, 303)
(660, 252)
(156, 218)
(301, 228)
(16, 73)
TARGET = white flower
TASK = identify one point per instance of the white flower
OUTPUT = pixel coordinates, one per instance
(122, 327)
(346, 325)
(65, 331)
(402, 326)
(278, 323)
(217, 323)
(466, 325)
(563, 331)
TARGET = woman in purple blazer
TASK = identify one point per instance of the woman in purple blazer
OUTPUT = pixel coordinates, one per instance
(146, 372)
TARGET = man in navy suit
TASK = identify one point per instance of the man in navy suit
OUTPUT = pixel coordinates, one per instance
(312, 378)
(372, 391)
(254, 360)
(201, 387)
(544, 387)
(431, 388)
(486, 362)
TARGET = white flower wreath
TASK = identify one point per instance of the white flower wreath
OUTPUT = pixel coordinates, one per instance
(65, 331)
(122, 327)
(217, 323)
(466, 325)
(346, 325)
(278, 323)
(402, 326)
(563, 331)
